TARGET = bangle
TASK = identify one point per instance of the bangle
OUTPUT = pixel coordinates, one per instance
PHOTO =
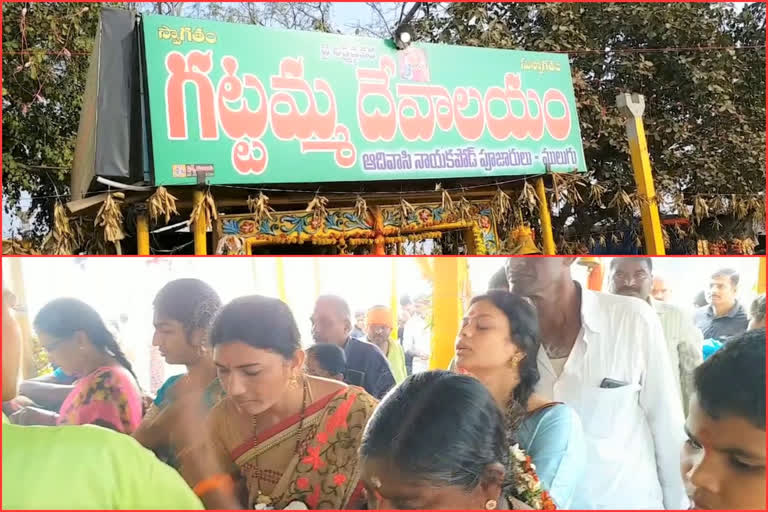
(213, 483)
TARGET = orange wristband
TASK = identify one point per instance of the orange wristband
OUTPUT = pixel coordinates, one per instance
(214, 483)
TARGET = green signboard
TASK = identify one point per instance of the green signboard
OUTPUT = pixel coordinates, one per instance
(245, 104)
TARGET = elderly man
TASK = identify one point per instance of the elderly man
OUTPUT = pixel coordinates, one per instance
(366, 364)
(632, 277)
(378, 327)
(605, 356)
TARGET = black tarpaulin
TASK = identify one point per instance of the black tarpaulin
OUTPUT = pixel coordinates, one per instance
(107, 144)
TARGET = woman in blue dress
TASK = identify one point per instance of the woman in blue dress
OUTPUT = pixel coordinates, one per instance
(498, 344)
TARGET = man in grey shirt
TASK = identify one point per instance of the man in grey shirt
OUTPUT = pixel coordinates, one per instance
(723, 317)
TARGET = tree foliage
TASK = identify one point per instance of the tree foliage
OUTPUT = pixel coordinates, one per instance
(705, 100)
(45, 48)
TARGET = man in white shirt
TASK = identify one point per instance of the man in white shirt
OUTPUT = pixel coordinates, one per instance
(605, 356)
(632, 277)
(417, 337)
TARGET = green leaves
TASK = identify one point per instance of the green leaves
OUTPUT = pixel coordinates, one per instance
(705, 110)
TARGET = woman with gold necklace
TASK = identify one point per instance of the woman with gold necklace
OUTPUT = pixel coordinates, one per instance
(280, 439)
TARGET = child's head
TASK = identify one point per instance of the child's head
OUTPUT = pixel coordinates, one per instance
(723, 460)
(326, 360)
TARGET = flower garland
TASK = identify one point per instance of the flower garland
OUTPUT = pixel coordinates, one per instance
(528, 487)
(479, 241)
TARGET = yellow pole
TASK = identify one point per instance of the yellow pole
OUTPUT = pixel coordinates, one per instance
(394, 302)
(633, 106)
(446, 310)
(22, 317)
(318, 276)
(761, 276)
(142, 234)
(199, 227)
(547, 240)
(280, 275)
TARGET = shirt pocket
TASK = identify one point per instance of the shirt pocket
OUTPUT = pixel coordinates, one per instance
(611, 409)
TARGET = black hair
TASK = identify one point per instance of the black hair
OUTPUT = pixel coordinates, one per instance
(339, 304)
(438, 427)
(406, 300)
(757, 309)
(261, 322)
(700, 300)
(499, 280)
(615, 261)
(62, 318)
(191, 302)
(331, 358)
(732, 381)
(729, 273)
(524, 331)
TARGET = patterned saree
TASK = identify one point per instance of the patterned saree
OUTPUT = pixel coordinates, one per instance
(313, 461)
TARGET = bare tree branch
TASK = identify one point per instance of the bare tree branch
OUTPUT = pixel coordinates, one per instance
(375, 7)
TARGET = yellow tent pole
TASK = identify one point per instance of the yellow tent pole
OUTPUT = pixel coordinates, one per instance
(199, 227)
(280, 275)
(22, 317)
(547, 240)
(394, 302)
(142, 233)
(633, 106)
(426, 266)
(761, 275)
(257, 287)
(316, 269)
(446, 310)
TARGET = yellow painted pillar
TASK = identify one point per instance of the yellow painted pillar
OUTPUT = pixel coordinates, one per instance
(761, 275)
(318, 276)
(394, 301)
(280, 276)
(379, 243)
(446, 310)
(547, 240)
(142, 233)
(426, 267)
(22, 317)
(200, 231)
(633, 106)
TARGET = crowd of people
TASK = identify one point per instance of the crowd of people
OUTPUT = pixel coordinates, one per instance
(557, 397)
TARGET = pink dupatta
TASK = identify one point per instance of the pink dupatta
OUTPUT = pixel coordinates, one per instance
(108, 397)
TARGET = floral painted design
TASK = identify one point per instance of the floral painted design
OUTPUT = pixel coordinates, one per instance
(108, 397)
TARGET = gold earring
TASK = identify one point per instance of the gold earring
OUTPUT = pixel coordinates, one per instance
(293, 382)
(490, 505)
